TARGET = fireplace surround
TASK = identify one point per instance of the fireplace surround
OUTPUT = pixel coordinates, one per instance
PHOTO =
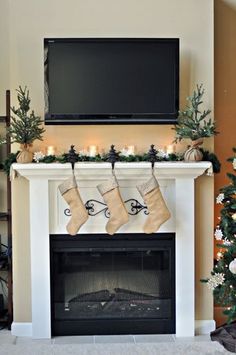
(113, 285)
(176, 181)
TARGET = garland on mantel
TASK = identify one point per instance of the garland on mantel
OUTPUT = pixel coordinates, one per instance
(207, 156)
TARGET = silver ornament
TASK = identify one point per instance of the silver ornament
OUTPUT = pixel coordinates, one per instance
(232, 266)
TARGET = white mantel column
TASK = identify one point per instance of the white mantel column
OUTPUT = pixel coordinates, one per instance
(184, 254)
(40, 258)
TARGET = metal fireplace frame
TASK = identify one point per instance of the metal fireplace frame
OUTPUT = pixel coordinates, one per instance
(101, 242)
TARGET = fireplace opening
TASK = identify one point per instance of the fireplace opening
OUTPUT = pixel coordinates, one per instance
(113, 285)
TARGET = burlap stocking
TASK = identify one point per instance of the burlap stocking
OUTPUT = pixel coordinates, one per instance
(79, 215)
(158, 211)
(111, 195)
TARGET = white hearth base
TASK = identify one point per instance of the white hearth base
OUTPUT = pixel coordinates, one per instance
(21, 329)
(202, 327)
(177, 183)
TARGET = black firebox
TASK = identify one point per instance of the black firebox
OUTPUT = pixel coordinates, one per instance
(123, 284)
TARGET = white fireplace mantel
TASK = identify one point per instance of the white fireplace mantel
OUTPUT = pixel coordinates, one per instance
(177, 183)
(169, 170)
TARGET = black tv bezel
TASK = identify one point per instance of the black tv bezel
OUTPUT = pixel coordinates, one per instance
(129, 118)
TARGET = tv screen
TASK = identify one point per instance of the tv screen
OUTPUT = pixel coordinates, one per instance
(111, 81)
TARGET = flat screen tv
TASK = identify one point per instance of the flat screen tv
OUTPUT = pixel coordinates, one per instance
(111, 80)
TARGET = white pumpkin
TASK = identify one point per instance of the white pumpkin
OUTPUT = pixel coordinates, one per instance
(193, 154)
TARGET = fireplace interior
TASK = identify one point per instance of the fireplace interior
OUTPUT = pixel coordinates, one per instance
(113, 285)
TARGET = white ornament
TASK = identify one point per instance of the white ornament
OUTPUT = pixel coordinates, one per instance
(234, 216)
(131, 150)
(127, 151)
(232, 266)
(227, 242)
(83, 153)
(220, 198)
(124, 152)
(218, 234)
(234, 163)
(215, 280)
(38, 156)
(162, 154)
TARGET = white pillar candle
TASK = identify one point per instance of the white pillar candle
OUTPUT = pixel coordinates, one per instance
(130, 150)
(92, 151)
(170, 149)
(51, 150)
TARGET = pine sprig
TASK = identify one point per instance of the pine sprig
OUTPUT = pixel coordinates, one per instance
(192, 122)
(2, 140)
(25, 126)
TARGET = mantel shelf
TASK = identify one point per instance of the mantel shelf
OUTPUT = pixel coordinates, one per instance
(167, 170)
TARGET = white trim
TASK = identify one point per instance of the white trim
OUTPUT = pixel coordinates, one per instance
(40, 258)
(184, 257)
(25, 329)
(204, 326)
(21, 329)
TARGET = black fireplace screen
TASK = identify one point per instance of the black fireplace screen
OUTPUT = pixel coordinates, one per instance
(115, 283)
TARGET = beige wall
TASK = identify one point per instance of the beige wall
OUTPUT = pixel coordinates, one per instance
(4, 82)
(4, 57)
(21, 251)
(190, 20)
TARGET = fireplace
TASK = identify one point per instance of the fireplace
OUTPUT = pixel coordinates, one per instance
(119, 285)
(177, 184)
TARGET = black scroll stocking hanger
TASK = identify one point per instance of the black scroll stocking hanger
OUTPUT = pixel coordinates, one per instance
(113, 157)
(152, 156)
(72, 157)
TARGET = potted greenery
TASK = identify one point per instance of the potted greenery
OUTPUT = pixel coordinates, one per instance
(25, 127)
(192, 124)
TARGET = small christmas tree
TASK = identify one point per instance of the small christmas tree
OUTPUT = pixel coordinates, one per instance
(25, 126)
(192, 122)
(223, 277)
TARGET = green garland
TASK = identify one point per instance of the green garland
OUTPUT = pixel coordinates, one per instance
(207, 156)
(8, 161)
(104, 158)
